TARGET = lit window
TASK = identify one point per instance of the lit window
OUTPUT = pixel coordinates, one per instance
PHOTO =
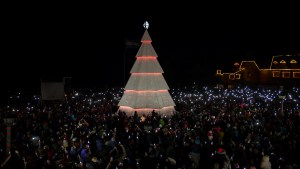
(282, 61)
(275, 62)
(293, 61)
(286, 74)
(238, 76)
(296, 74)
(219, 72)
(232, 76)
(276, 73)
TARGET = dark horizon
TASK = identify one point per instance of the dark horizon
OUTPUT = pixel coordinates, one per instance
(89, 45)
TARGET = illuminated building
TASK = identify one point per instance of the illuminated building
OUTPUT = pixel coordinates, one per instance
(146, 89)
(284, 70)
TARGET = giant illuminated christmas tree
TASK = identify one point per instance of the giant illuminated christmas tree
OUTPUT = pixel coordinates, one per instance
(146, 89)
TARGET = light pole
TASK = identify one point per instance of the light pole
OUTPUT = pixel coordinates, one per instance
(282, 100)
(124, 60)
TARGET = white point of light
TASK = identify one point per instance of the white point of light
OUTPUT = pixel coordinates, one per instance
(146, 25)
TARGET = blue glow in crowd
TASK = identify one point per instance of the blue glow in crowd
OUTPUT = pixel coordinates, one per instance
(212, 128)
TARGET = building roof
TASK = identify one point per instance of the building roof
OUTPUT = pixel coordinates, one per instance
(285, 62)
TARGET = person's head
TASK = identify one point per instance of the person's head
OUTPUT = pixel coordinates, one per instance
(216, 166)
(225, 165)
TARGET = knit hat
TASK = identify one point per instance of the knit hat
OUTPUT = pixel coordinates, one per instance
(95, 160)
(221, 151)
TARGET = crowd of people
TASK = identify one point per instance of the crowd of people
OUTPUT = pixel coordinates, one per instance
(212, 128)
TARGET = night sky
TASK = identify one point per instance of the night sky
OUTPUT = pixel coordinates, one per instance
(192, 42)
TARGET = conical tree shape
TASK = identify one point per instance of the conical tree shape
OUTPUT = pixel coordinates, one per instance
(146, 89)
